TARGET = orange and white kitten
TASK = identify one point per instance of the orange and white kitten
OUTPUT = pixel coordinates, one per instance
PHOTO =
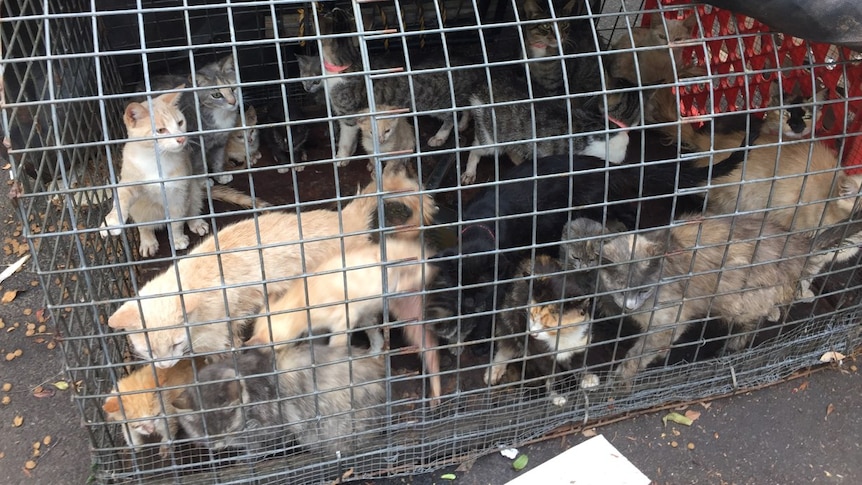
(269, 246)
(655, 65)
(157, 159)
(142, 403)
(393, 135)
(239, 139)
(318, 301)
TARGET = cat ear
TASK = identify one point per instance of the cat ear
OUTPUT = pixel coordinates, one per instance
(568, 8)
(531, 8)
(112, 404)
(690, 22)
(135, 112)
(126, 316)
(173, 99)
(848, 186)
(226, 64)
(233, 391)
(250, 116)
(655, 21)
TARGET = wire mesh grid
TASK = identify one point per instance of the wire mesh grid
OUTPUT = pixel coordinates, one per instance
(540, 180)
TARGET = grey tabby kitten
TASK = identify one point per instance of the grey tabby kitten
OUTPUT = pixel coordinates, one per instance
(234, 405)
(247, 405)
(219, 109)
(540, 39)
(347, 94)
(499, 118)
(740, 269)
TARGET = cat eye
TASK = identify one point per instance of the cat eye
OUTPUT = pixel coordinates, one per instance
(662, 37)
(162, 131)
(217, 95)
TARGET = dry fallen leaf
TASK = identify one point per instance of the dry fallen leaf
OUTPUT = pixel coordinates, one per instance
(41, 392)
(7, 386)
(5, 400)
(46, 440)
(829, 410)
(8, 296)
(17, 421)
(589, 433)
(692, 414)
(832, 357)
(30, 464)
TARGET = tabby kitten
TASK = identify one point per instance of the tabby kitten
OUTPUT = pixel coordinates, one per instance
(655, 65)
(158, 158)
(540, 37)
(142, 402)
(740, 269)
(544, 325)
(326, 398)
(245, 137)
(218, 103)
(503, 122)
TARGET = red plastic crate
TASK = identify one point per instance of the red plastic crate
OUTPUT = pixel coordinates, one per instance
(746, 55)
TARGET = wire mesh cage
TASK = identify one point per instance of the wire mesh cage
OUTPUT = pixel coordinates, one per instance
(399, 234)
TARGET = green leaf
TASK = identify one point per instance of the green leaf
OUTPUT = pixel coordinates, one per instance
(676, 418)
(520, 462)
(448, 476)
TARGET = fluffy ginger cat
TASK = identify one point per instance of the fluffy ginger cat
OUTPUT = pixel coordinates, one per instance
(160, 322)
(796, 183)
(318, 301)
(142, 402)
(157, 158)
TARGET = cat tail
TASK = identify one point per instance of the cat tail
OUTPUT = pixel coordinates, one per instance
(832, 237)
(234, 196)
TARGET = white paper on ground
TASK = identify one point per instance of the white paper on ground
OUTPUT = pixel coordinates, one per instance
(593, 462)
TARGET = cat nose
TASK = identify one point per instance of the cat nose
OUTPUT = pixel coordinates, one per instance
(181, 140)
(148, 428)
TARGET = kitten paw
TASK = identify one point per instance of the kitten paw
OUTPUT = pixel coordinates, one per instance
(494, 374)
(558, 400)
(775, 314)
(341, 162)
(113, 231)
(148, 249)
(223, 179)
(436, 141)
(590, 381)
(468, 177)
(181, 241)
(199, 227)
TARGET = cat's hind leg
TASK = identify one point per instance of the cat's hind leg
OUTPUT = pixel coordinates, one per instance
(444, 132)
(502, 356)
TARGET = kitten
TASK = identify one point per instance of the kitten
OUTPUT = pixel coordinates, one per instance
(317, 301)
(653, 65)
(546, 321)
(325, 398)
(541, 41)
(159, 162)
(284, 255)
(219, 105)
(243, 145)
(393, 135)
(421, 91)
(740, 269)
(286, 139)
(806, 190)
(793, 118)
(502, 123)
(142, 402)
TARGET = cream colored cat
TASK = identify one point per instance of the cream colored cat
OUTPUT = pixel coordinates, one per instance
(158, 159)
(206, 308)
(317, 303)
(143, 405)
